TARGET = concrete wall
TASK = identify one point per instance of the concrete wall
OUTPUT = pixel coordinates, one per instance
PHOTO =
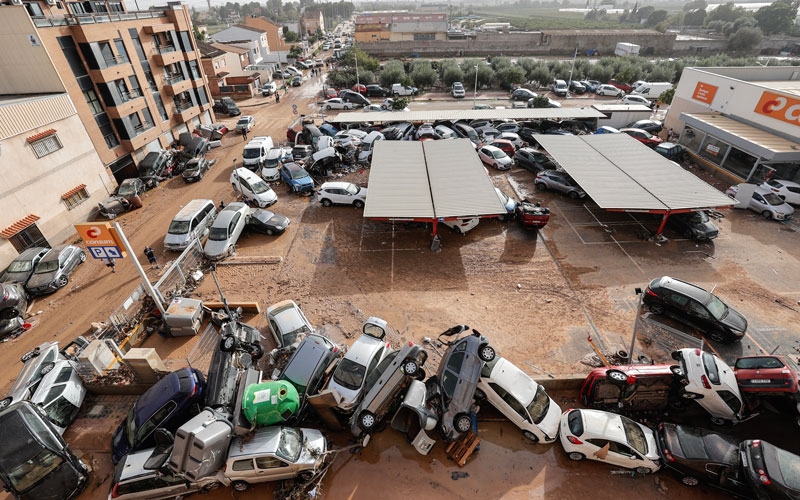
(26, 66)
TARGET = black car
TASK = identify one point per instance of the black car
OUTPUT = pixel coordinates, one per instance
(195, 169)
(526, 134)
(693, 225)
(521, 94)
(354, 97)
(266, 222)
(671, 151)
(771, 471)
(697, 455)
(695, 307)
(153, 167)
(652, 126)
(308, 367)
(577, 87)
(301, 152)
(377, 91)
(297, 81)
(227, 106)
(399, 131)
(533, 160)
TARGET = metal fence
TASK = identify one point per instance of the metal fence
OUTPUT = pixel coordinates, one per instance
(183, 274)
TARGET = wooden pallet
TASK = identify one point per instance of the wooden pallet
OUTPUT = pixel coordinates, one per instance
(461, 449)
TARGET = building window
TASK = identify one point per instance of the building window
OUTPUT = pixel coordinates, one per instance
(27, 238)
(46, 145)
(75, 197)
(116, 7)
(160, 105)
(216, 64)
(93, 101)
(34, 10)
(107, 130)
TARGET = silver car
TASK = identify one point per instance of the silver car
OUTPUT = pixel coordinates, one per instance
(764, 202)
(287, 323)
(225, 230)
(55, 268)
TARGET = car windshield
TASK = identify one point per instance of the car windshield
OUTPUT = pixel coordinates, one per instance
(299, 174)
(634, 435)
(130, 426)
(218, 233)
(178, 227)
(290, 445)
(499, 153)
(271, 163)
(697, 217)
(539, 406)
(773, 199)
(61, 411)
(46, 266)
(242, 122)
(127, 189)
(250, 153)
(32, 470)
(712, 370)
(716, 307)
(350, 374)
(20, 266)
(259, 187)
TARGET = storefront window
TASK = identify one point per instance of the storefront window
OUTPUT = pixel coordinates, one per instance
(691, 138)
(786, 171)
(739, 163)
(713, 150)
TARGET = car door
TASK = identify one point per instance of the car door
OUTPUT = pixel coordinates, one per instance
(675, 304)
(270, 468)
(700, 315)
(509, 406)
(623, 455)
(156, 420)
(759, 203)
(450, 376)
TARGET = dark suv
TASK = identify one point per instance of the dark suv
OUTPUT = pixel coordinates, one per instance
(153, 168)
(693, 225)
(13, 303)
(227, 106)
(695, 307)
(377, 91)
(308, 368)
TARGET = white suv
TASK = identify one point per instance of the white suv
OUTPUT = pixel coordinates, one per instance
(458, 90)
(342, 193)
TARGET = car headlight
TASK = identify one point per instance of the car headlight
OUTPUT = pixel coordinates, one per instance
(279, 228)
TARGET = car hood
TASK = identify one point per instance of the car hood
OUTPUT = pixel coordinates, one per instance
(551, 421)
(15, 277)
(735, 320)
(314, 448)
(42, 279)
(216, 249)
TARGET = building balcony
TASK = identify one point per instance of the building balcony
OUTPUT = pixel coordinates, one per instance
(166, 55)
(144, 134)
(185, 112)
(106, 17)
(176, 84)
(132, 101)
(111, 73)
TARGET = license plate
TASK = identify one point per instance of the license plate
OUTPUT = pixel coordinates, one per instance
(744, 458)
(760, 381)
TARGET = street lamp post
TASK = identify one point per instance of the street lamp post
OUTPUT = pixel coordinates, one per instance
(475, 89)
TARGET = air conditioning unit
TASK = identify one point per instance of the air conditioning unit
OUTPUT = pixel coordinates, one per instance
(16, 2)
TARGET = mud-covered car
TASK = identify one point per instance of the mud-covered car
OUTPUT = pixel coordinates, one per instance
(55, 268)
(632, 388)
(452, 390)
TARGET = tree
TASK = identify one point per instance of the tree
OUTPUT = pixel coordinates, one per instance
(295, 52)
(198, 35)
(727, 12)
(506, 77)
(393, 72)
(695, 18)
(423, 74)
(499, 63)
(745, 40)
(452, 73)
(541, 101)
(695, 5)
(541, 75)
(667, 96)
(399, 103)
(365, 61)
(777, 18)
(290, 36)
(656, 17)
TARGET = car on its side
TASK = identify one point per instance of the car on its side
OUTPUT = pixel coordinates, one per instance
(768, 375)
(697, 455)
(22, 267)
(266, 222)
(132, 481)
(609, 438)
(693, 225)
(195, 169)
(167, 404)
(341, 193)
(633, 388)
(452, 389)
(358, 363)
(13, 305)
(60, 394)
(695, 307)
(274, 453)
(517, 396)
(226, 230)
(444, 132)
(672, 151)
(308, 368)
(643, 136)
(296, 178)
(609, 90)
(131, 187)
(337, 103)
(246, 122)
(788, 190)
(287, 323)
(354, 98)
(509, 203)
(522, 94)
(766, 203)
(712, 384)
(560, 181)
(54, 269)
(534, 160)
(35, 365)
(495, 157)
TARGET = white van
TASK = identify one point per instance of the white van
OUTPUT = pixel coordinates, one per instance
(652, 90)
(270, 170)
(191, 221)
(367, 143)
(253, 188)
(255, 152)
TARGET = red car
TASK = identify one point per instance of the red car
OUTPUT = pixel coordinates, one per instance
(643, 136)
(331, 93)
(532, 215)
(622, 86)
(505, 145)
(632, 387)
(361, 89)
(767, 374)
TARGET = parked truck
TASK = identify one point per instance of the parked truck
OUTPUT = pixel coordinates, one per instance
(625, 49)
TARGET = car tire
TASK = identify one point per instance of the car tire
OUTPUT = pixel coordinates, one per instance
(541, 187)
(29, 355)
(576, 456)
(228, 343)
(690, 481)
(46, 368)
(62, 281)
(328, 107)
(691, 395)
(617, 377)
(501, 218)
(358, 204)
(486, 353)
(530, 436)
(462, 423)
(4, 403)
(326, 202)
(256, 351)
(305, 476)
(656, 308)
(642, 471)
(240, 485)
(573, 195)
(766, 214)
(719, 421)
(83, 257)
(718, 336)
(677, 371)
(410, 367)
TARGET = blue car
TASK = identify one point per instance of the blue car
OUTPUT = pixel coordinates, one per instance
(296, 178)
(168, 404)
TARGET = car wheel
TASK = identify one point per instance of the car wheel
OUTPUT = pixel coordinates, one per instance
(4, 403)
(462, 423)
(573, 195)
(9, 313)
(228, 343)
(677, 355)
(617, 377)
(62, 281)
(691, 395)
(656, 308)
(326, 202)
(256, 351)
(47, 368)
(540, 186)
(367, 420)
(240, 485)
(531, 436)
(83, 257)
(690, 481)
(766, 214)
(358, 204)
(328, 107)
(486, 353)
(677, 371)
(642, 470)
(717, 336)
(410, 367)
(305, 476)
(270, 232)
(29, 355)
(719, 421)
(576, 456)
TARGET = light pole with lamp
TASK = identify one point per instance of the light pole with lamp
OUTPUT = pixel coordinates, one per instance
(475, 89)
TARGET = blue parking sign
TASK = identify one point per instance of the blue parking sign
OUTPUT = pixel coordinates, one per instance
(105, 252)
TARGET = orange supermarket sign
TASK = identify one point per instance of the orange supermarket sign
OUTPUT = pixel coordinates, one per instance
(779, 107)
(704, 92)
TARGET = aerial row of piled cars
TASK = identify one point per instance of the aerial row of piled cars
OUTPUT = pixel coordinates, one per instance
(253, 418)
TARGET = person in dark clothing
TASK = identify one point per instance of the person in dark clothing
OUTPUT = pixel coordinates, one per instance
(244, 133)
(151, 257)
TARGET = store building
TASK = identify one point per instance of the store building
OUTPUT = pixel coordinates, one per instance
(743, 121)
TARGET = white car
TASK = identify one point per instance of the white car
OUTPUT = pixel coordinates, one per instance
(337, 103)
(764, 202)
(462, 226)
(637, 99)
(270, 171)
(246, 122)
(287, 323)
(425, 130)
(513, 138)
(606, 89)
(788, 190)
(371, 108)
(359, 362)
(351, 137)
(458, 90)
(509, 126)
(711, 383)
(524, 402)
(342, 193)
(495, 157)
(610, 438)
(225, 231)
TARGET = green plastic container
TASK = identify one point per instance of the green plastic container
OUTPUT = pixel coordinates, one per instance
(269, 403)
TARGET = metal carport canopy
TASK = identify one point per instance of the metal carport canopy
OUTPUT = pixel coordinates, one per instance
(620, 173)
(429, 181)
(466, 114)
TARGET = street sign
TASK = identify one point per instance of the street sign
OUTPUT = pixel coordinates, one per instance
(101, 240)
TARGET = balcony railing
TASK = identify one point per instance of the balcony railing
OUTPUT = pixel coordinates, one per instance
(130, 95)
(115, 61)
(140, 129)
(164, 49)
(112, 17)
(173, 79)
(181, 107)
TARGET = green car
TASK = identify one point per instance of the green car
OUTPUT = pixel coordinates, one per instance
(269, 403)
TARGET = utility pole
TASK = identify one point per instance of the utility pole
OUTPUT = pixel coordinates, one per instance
(571, 69)
(475, 89)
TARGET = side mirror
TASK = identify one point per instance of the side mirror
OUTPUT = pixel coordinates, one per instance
(638, 290)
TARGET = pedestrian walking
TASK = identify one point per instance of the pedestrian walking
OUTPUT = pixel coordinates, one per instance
(277, 98)
(109, 262)
(244, 133)
(151, 257)
(670, 133)
(221, 204)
